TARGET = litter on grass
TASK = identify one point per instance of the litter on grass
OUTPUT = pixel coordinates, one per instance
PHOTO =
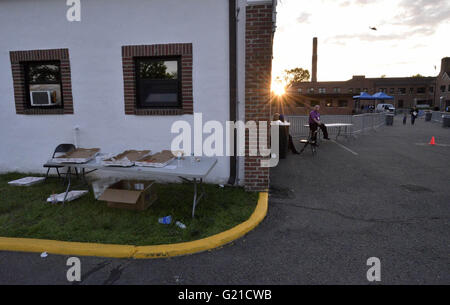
(72, 195)
(27, 181)
(165, 220)
(180, 225)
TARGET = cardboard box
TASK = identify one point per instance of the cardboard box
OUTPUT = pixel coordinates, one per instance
(130, 194)
(79, 155)
(127, 158)
(160, 159)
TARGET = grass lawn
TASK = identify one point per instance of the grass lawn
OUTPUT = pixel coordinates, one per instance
(24, 212)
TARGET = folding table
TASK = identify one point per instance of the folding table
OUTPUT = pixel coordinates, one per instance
(187, 170)
(339, 126)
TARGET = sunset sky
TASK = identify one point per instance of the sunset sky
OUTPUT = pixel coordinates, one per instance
(412, 36)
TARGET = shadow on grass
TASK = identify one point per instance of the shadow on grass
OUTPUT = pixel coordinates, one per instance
(25, 213)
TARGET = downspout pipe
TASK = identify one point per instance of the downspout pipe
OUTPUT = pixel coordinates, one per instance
(233, 83)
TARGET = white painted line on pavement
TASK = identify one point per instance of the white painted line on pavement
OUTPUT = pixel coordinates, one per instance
(346, 148)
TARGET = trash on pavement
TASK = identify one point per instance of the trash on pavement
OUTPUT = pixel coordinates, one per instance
(44, 254)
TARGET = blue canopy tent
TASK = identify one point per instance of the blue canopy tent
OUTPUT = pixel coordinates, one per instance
(382, 96)
(362, 96)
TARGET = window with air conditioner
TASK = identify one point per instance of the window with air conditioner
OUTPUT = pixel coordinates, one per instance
(43, 84)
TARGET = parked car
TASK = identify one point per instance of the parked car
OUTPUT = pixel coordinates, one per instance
(385, 108)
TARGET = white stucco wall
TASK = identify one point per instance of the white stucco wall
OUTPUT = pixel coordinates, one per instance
(26, 141)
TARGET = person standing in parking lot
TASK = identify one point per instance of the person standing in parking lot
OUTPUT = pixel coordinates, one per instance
(414, 113)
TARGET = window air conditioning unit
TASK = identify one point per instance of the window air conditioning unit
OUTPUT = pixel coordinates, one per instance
(43, 98)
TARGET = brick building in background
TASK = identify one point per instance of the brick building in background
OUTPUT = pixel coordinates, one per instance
(443, 85)
(336, 97)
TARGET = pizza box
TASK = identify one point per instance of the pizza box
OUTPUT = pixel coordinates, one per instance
(126, 158)
(79, 155)
(160, 159)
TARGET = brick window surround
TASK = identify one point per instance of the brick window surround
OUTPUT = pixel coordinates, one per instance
(184, 50)
(18, 58)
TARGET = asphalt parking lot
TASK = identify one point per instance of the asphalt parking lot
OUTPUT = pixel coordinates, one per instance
(385, 194)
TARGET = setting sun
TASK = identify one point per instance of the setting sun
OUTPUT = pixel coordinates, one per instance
(278, 88)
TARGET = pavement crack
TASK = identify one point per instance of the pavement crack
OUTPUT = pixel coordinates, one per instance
(370, 220)
(115, 274)
(97, 268)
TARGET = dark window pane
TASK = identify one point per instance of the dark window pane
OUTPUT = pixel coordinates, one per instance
(343, 103)
(158, 92)
(157, 82)
(158, 69)
(43, 73)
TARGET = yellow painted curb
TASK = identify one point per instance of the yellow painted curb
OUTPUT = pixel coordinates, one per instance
(128, 251)
(65, 247)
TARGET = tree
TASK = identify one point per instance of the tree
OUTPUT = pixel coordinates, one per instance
(295, 75)
(155, 70)
(383, 76)
(417, 75)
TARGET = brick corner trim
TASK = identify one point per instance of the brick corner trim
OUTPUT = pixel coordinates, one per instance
(258, 69)
(184, 50)
(18, 74)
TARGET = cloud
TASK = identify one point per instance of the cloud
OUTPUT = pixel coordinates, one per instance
(403, 35)
(418, 18)
(347, 3)
(364, 2)
(304, 18)
(424, 16)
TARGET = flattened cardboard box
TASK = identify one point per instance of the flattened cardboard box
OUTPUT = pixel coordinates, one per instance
(130, 194)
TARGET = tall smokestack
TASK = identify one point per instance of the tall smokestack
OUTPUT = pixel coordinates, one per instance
(314, 61)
